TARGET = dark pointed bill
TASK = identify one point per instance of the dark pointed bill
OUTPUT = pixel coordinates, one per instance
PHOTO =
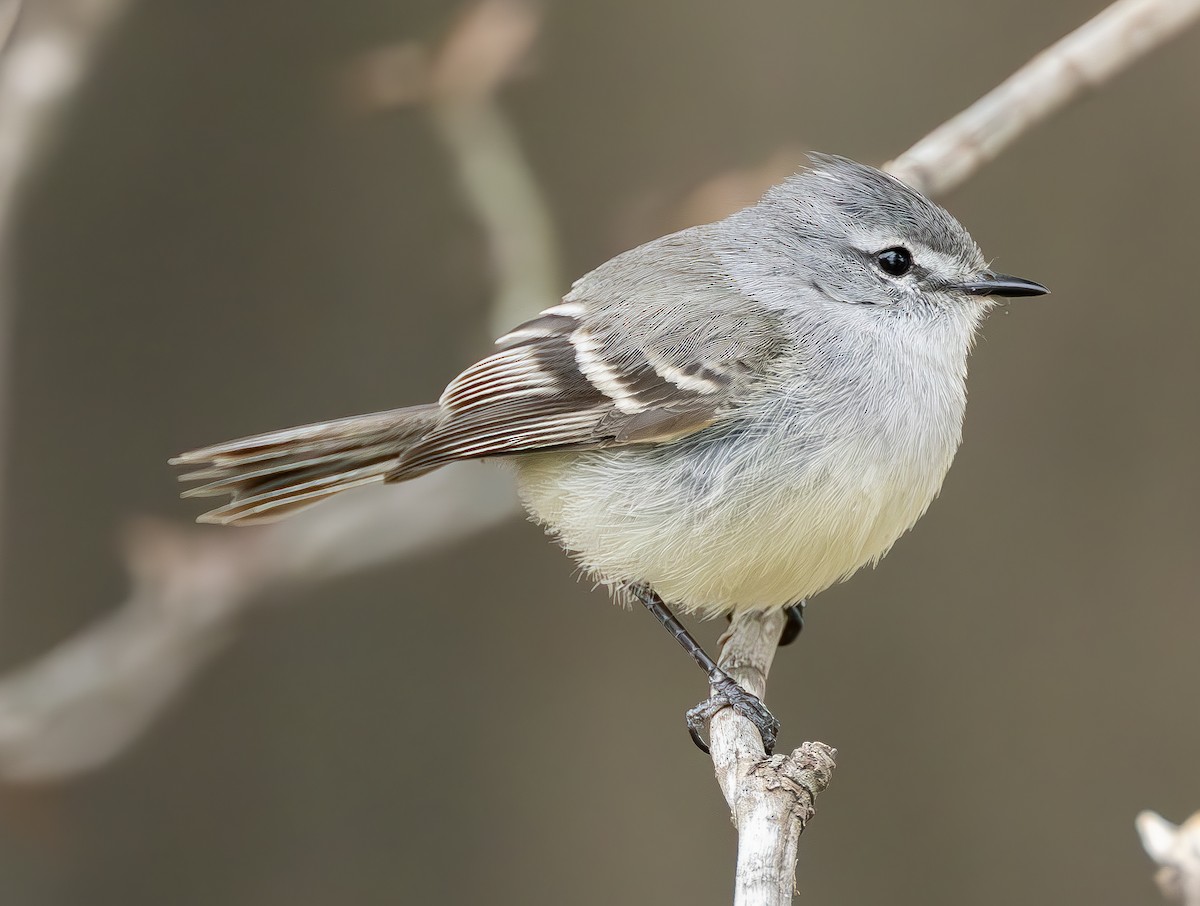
(1002, 285)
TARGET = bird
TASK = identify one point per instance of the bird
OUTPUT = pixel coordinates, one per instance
(733, 417)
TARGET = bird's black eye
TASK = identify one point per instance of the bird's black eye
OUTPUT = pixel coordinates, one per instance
(896, 261)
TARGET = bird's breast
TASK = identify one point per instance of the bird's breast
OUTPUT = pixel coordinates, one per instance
(794, 494)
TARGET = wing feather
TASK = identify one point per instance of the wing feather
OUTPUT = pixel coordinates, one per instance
(585, 374)
(652, 346)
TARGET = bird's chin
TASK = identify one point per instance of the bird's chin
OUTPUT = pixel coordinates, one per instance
(973, 306)
(981, 306)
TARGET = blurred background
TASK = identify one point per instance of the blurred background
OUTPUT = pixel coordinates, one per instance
(234, 228)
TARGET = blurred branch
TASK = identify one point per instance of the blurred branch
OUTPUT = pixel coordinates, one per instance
(10, 12)
(1084, 60)
(487, 48)
(85, 701)
(47, 48)
(1177, 852)
(88, 699)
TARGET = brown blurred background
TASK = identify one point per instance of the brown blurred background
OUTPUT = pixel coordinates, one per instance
(216, 245)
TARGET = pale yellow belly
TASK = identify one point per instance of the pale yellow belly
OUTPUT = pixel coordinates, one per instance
(753, 539)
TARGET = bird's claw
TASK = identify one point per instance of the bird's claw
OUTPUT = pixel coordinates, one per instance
(726, 693)
(794, 625)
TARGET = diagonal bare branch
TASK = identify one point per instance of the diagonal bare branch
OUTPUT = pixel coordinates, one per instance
(769, 823)
(1081, 62)
(46, 49)
(87, 700)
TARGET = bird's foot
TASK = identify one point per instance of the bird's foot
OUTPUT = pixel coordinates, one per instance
(726, 693)
(794, 625)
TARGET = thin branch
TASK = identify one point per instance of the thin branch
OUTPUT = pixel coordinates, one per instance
(487, 47)
(47, 48)
(85, 701)
(10, 14)
(769, 821)
(89, 698)
(771, 799)
(1082, 61)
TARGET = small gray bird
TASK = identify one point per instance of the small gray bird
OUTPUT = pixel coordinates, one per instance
(733, 417)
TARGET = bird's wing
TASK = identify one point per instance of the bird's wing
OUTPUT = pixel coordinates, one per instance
(584, 375)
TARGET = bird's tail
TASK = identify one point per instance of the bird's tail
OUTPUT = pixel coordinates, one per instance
(273, 475)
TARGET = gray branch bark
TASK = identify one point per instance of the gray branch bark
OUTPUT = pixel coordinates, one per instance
(1082, 61)
(87, 700)
(772, 799)
(46, 48)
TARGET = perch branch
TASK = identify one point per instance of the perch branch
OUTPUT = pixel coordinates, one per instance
(85, 701)
(772, 799)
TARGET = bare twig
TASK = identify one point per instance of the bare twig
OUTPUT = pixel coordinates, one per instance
(771, 799)
(1177, 852)
(488, 46)
(10, 13)
(1083, 60)
(46, 50)
(753, 787)
(86, 700)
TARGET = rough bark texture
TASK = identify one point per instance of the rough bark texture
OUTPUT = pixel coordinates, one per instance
(771, 799)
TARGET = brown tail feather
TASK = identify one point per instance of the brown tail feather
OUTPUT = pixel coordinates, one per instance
(272, 475)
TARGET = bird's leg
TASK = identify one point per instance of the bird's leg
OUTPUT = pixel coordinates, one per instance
(725, 690)
(794, 625)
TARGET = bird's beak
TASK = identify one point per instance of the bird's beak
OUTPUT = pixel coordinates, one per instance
(990, 284)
